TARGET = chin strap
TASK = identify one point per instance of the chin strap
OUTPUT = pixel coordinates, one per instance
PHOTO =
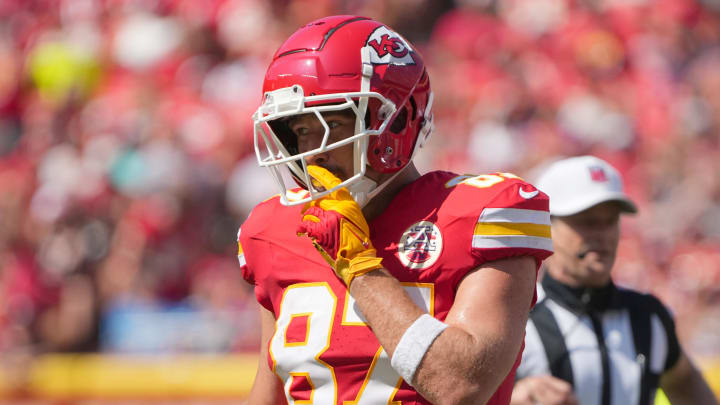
(361, 190)
(365, 189)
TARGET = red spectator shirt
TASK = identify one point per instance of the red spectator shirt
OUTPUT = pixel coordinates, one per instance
(433, 233)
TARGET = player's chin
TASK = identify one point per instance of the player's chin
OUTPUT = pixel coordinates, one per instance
(336, 171)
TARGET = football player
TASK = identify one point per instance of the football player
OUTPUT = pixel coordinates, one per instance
(378, 284)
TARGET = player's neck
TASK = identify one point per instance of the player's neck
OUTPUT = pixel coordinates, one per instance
(379, 203)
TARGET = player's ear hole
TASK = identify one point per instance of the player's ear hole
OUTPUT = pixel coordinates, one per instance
(400, 121)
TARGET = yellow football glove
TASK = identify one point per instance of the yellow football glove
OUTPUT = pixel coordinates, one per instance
(338, 229)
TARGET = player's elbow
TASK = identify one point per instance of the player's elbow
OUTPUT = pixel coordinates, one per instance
(462, 392)
(466, 398)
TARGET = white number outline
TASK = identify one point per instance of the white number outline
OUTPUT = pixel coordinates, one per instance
(481, 181)
(288, 381)
(423, 294)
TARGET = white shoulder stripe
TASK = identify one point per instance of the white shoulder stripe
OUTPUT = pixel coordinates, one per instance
(241, 259)
(515, 215)
(511, 241)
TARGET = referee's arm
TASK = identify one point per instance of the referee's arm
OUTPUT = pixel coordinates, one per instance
(684, 384)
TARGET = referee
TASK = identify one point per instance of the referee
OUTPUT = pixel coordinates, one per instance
(587, 341)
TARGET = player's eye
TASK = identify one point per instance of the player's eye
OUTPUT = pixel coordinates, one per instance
(301, 131)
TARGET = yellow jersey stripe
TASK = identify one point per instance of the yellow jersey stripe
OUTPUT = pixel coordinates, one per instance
(512, 228)
(241, 254)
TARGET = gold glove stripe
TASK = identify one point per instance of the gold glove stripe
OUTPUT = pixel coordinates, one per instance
(324, 254)
(311, 218)
(359, 266)
(364, 243)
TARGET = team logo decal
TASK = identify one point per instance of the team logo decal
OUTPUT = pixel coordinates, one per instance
(420, 245)
(598, 174)
(387, 47)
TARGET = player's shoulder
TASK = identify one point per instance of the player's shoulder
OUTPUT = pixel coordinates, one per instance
(474, 194)
(265, 223)
(508, 215)
(270, 213)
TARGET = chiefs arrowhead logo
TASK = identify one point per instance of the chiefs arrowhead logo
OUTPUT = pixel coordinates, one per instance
(389, 48)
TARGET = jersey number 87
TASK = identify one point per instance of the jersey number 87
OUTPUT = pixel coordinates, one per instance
(298, 362)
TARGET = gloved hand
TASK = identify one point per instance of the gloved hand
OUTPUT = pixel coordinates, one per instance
(338, 229)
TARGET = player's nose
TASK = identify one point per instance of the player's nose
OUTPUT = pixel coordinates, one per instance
(310, 141)
(317, 159)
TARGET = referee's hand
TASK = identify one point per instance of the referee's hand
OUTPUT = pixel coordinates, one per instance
(543, 390)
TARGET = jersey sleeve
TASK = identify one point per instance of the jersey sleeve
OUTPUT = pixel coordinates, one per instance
(515, 222)
(263, 237)
(251, 251)
(250, 237)
(247, 275)
(252, 247)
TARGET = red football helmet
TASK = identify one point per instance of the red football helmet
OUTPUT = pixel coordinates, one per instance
(344, 63)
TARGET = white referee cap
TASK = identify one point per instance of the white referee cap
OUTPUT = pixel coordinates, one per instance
(578, 183)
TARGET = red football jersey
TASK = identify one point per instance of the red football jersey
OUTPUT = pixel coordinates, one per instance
(433, 233)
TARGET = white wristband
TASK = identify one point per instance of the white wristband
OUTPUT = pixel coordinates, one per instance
(413, 345)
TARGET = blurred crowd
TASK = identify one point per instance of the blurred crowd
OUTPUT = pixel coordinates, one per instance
(127, 162)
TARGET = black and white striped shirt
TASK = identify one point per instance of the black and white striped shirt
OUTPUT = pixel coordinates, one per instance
(611, 344)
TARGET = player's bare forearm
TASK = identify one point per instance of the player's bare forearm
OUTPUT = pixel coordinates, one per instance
(267, 388)
(385, 304)
(470, 358)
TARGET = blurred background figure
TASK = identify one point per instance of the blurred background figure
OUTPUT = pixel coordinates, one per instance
(126, 158)
(589, 341)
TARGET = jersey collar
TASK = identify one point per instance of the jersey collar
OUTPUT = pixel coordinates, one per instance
(581, 299)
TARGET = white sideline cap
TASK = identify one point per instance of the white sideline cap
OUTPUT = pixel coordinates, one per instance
(578, 183)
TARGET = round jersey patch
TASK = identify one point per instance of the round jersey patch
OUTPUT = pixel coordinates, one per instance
(420, 245)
